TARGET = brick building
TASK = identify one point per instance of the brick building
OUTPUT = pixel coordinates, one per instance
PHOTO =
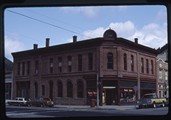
(68, 73)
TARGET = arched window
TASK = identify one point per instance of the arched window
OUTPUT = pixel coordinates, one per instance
(147, 66)
(125, 61)
(69, 89)
(152, 67)
(60, 89)
(90, 61)
(80, 89)
(109, 61)
(43, 90)
(36, 89)
(51, 90)
(142, 65)
(132, 63)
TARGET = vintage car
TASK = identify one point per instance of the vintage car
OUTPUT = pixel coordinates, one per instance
(41, 102)
(151, 100)
(19, 101)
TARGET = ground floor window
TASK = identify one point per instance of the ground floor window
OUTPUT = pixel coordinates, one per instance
(60, 89)
(69, 89)
(80, 89)
(127, 95)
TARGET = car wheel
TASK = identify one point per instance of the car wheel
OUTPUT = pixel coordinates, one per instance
(154, 105)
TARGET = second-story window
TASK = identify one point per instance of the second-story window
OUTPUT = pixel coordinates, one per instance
(28, 67)
(18, 68)
(43, 90)
(23, 68)
(132, 63)
(69, 63)
(60, 64)
(109, 61)
(90, 61)
(142, 65)
(79, 62)
(147, 66)
(51, 65)
(125, 61)
(160, 75)
(36, 67)
(166, 75)
(152, 67)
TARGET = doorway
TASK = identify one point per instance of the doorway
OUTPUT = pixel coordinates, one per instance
(109, 96)
(51, 90)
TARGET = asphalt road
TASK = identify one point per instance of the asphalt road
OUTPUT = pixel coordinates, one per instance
(38, 112)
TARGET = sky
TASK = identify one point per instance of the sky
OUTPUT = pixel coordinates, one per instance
(32, 25)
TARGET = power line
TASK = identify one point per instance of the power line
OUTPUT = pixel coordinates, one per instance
(31, 11)
(47, 23)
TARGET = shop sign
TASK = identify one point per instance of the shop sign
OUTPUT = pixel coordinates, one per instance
(130, 90)
(92, 93)
(127, 90)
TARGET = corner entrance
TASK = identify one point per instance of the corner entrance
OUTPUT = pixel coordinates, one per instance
(109, 95)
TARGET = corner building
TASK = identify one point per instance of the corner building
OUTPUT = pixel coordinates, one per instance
(121, 70)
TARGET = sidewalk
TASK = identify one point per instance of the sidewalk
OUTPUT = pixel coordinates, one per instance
(104, 107)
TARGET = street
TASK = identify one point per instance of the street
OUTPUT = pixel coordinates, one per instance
(37, 112)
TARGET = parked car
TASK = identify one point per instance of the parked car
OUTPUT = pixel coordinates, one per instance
(19, 101)
(41, 102)
(151, 100)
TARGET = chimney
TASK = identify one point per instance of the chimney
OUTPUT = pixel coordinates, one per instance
(35, 46)
(136, 40)
(47, 42)
(74, 39)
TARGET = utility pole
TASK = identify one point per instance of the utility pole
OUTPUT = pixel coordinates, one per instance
(138, 77)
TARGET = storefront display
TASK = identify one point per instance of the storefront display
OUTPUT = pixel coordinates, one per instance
(127, 95)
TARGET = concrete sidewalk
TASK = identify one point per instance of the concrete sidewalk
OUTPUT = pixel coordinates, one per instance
(104, 107)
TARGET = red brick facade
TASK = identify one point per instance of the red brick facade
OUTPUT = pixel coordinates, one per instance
(116, 61)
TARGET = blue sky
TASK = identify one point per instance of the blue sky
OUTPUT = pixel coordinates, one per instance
(147, 23)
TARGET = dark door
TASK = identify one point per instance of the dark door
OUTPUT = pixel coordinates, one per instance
(109, 96)
(51, 90)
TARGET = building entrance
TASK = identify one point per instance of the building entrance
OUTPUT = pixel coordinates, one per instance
(109, 96)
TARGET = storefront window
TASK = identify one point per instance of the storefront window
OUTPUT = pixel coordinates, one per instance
(127, 95)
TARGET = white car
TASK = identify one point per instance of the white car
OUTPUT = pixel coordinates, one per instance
(19, 101)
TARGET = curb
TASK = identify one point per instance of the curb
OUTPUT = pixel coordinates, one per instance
(100, 108)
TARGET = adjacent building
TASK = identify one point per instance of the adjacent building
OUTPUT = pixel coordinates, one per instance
(162, 65)
(8, 79)
(72, 73)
